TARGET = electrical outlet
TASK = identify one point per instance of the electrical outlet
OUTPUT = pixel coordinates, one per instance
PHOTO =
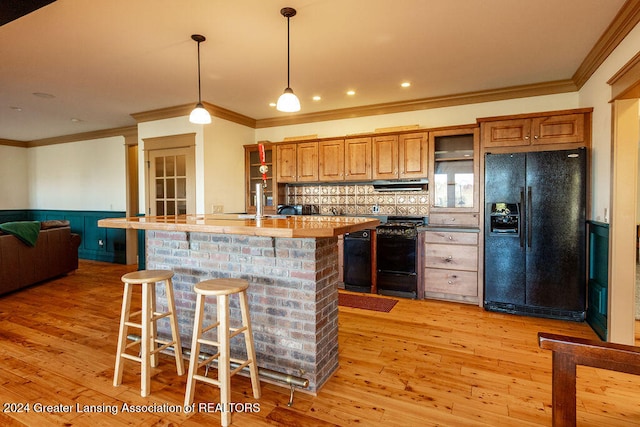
(217, 209)
(375, 209)
(100, 242)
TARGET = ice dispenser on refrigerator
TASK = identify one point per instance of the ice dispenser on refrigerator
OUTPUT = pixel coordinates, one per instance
(505, 218)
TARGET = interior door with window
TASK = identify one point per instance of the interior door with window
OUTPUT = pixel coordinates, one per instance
(171, 185)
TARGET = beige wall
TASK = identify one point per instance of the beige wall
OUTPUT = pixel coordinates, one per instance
(84, 175)
(14, 176)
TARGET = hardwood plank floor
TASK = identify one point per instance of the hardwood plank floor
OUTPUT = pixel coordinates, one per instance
(425, 363)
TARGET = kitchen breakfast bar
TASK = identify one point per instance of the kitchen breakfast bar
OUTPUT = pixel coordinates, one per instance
(291, 264)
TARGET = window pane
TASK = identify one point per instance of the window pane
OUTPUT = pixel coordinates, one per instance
(171, 188)
(171, 208)
(170, 161)
(160, 188)
(159, 166)
(181, 189)
(181, 165)
(182, 207)
(159, 207)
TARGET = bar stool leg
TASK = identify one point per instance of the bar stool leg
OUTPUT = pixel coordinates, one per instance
(175, 331)
(122, 334)
(145, 356)
(194, 361)
(153, 328)
(224, 376)
(248, 340)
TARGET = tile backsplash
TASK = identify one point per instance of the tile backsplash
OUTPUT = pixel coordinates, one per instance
(358, 199)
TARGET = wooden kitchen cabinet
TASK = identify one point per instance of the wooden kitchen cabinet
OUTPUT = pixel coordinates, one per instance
(451, 265)
(385, 157)
(297, 162)
(413, 155)
(454, 176)
(286, 155)
(530, 131)
(400, 156)
(307, 161)
(357, 159)
(331, 160)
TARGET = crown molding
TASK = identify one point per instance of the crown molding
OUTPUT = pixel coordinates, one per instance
(522, 91)
(13, 143)
(626, 19)
(127, 131)
(185, 110)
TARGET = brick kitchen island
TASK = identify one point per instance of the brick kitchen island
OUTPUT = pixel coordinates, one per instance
(291, 264)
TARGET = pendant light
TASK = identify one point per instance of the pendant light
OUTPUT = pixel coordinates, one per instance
(288, 102)
(199, 115)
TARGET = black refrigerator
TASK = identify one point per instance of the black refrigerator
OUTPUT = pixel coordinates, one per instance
(535, 231)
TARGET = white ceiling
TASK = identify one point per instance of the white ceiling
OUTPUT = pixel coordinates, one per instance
(106, 59)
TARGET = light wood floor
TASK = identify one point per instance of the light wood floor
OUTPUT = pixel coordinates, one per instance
(425, 363)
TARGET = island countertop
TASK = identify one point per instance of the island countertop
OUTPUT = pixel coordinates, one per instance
(269, 226)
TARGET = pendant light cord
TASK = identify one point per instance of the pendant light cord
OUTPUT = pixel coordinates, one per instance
(288, 54)
(199, 88)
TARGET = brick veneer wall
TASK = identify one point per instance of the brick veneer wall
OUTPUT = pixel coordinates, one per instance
(293, 296)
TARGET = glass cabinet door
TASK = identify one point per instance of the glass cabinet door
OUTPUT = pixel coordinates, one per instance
(254, 176)
(455, 176)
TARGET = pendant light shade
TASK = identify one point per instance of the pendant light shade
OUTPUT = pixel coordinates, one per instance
(199, 115)
(288, 101)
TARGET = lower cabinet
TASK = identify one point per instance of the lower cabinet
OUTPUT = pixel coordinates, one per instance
(451, 265)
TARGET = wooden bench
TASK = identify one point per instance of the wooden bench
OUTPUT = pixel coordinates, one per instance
(568, 352)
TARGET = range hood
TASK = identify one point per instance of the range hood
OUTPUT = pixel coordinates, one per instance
(401, 185)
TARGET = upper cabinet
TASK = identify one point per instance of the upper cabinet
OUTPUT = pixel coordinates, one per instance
(297, 162)
(307, 161)
(286, 162)
(331, 160)
(413, 155)
(400, 156)
(385, 157)
(453, 182)
(357, 159)
(526, 131)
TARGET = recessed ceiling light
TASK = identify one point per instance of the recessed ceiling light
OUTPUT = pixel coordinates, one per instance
(43, 95)
(405, 84)
(316, 98)
(18, 109)
(351, 92)
(272, 104)
(74, 120)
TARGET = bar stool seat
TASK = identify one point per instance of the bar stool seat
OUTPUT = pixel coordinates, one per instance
(221, 289)
(148, 343)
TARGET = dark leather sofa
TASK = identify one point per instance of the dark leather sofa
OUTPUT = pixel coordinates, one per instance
(55, 254)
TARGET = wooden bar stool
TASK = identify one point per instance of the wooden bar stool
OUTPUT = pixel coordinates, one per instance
(148, 343)
(221, 289)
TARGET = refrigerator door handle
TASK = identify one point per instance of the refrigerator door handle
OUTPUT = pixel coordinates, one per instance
(520, 226)
(529, 219)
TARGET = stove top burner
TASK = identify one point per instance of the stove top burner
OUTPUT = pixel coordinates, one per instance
(403, 222)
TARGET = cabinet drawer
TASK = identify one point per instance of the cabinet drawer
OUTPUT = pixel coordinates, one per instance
(451, 281)
(452, 257)
(451, 237)
(454, 218)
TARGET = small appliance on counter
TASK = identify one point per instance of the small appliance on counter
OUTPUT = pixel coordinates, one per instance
(289, 210)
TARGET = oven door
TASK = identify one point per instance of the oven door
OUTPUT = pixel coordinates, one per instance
(396, 254)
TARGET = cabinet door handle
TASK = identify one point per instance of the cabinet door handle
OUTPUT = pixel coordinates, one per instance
(450, 237)
(526, 137)
(535, 137)
(449, 258)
